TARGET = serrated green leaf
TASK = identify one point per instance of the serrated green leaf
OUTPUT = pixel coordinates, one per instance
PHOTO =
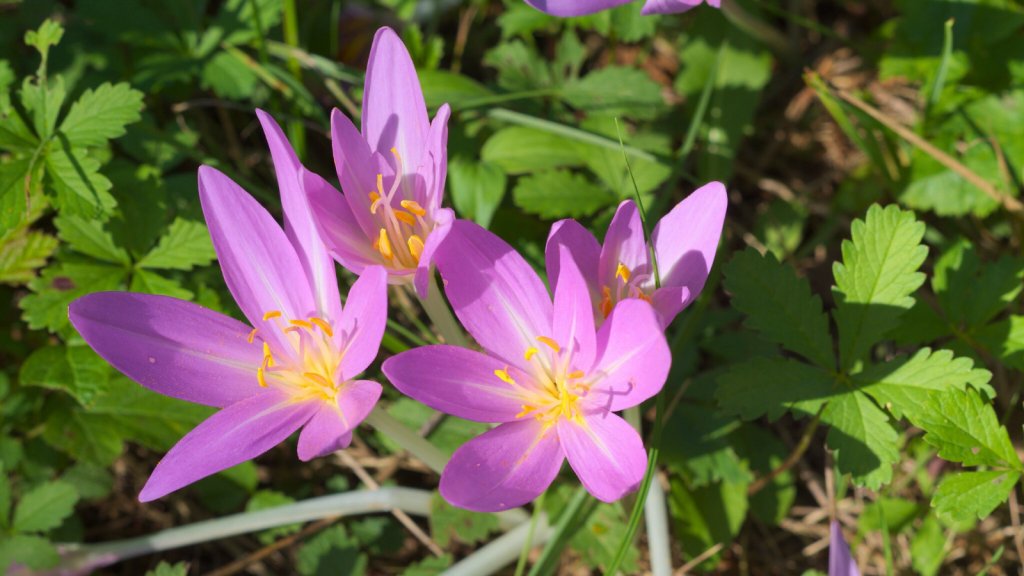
(90, 481)
(13, 176)
(965, 496)
(331, 553)
(100, 115)
(165, 569)
(15, 135)
(49, 34)
(952, 277)
(920, 325)
(773, 386)
(865, 445)
(1005, 340)
(555, 194)
(476, 189)
(448, 522)
(519, 67)
(965, 429)
(59, 285)
(76, 370)
(88, 237)
(780, 305)
(81, 190)
(997, 286)
(904, 384)
(149, 282)
(616, 91)
(186, 244)
(32, 551)
(43, 104)
(22, 253)
(876, 278)
(519, 150)
(707, 456)
(430, 566)
(45, 507)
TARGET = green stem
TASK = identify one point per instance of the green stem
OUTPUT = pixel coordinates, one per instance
(538, 509)
(442, 317)
(296, 130)
(407, 439)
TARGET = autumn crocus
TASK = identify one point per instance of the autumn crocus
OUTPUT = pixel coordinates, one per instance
(548, 377)
(567, 8)
(392, 174)
(840, 563)
(294, 365)
(685, 242)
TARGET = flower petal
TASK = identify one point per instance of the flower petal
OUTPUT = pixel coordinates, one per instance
(260, 266)
(686, 239)
(240, 432)
(394, 113)
(669, 6)
(623, 244)
(171, 346)
(337, 225)
(363, 321)
(840, 563)
(330, 429)
(496, 295)
(503, 468)
(456, 381)
(585, 250)
(573, 323)
(670, 301)
(633, 357)
(568, 8)
(357, 171)
(443, 218)
(298, 222)
(434, 167)
(605, 452)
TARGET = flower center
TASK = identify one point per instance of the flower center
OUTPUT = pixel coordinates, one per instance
(625, 287)
(309, 371)
(402, 232)
(552, 391)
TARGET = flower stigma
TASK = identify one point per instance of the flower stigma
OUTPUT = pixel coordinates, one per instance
(550, 391)
(627, 285)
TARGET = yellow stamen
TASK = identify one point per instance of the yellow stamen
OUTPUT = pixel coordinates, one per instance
(318, 379)
(554, 345)
(380, 185)
(406, 217)
(291, 329)
(268, 358)
(415, 247)
(302, 323)
(530, 352)
(323, 326)
(575, 375)
(414, 207)
(622, 272)
(644, 297)
(259, 376)
(373, 195)
(526, 410)
(384, 245)
(503, 374)
(252, 335)
(395, 152)
(606, 302)
(271, 314)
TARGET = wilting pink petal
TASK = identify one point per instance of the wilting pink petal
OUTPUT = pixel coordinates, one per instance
(260, 266)
(633, 358)
(672, 6)
(605, 452)
(573, 323)
(585, 250)
(443, 217)
(240, 432)
(336, 224)
(496, 295)
(170, 346)
(456, 381)
(503, 468)
(840, 563)
(363, 321)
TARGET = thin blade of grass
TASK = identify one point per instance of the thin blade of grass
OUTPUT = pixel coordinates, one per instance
(947, 53)
(640, 204)
(992, 562)
(569, 522)
(538, 508)
(886, 542)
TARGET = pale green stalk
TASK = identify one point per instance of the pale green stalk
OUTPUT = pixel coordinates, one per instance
(538, 510)
(408, 439)
(503, 551)
(442, 317)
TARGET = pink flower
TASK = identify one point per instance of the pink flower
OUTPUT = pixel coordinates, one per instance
(567, 8)
(392, 175)
(549, 377)
(685, 242)
(295, 367)
(840, 563)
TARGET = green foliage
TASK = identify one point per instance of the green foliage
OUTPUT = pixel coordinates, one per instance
(448, 522)
(264, 499)
(331, 552)
(165, 569)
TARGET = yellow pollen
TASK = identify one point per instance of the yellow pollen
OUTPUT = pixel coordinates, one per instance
(575, 375)
(415, 247)
(271, 314)
(384, 245)
(302, 323)
(530, 352)
(319, 379)
(252, 335)
(414, 207)
(259, 376)
(554, 345)
(526, 410)
(503, 374)
(406, 217)
(373, 195)
(323, 326)
(622, 272)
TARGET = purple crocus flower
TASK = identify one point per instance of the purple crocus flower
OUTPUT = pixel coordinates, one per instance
(392, 174)
(685, 242)
(567, 8)
(296, 365)
(840, 563)
(548, 377)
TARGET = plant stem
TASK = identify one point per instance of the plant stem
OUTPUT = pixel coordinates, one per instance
(407, 439)
(538, 510)
(442, 317)
(502, 551)
(656, 514)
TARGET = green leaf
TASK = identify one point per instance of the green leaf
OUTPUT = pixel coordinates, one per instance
(5, 499)
(781, 227)
(560, 194)
(32, 551)
(90, 481)
(448, 522)
(707, 455)
(928, 548)
(165, 569)
(519, 150)
(149, 282)
(49, 34)
(920, 325)
(876, 278)
(186, 244)
(101, 115)
(780, 305)
(904, 384)
(227, 78)
(13, 176)
(81, 190)
(965, 429)
(965, 496)
(476, 189)
(997, 286)
(707, 516)
(598, 539)
(616, 91)
(444, 87)
(865, 444)
(429, 566)
(264, 499)
(22, 253)
(76, 370)
(14, 134)
(1005, 340)
(43, 104)
(88, 237)
(774, 386)
(45, 507)
(519, 67)
(763, 453)
(59, 285)
(331, 553)
(899, 515)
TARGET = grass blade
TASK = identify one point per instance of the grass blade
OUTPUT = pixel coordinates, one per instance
(947, 53)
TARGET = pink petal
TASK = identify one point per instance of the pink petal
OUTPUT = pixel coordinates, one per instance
(605, 452)
(363, 321)
(633, 357)
(496, 295)
(503, 468)
(671, 6)
(170, 346)
(623, 244)
(568, 8)
(686, 239)
(342, 236)
(330, 429)
(585, 250)
(840, 563)
(670, 301)
(394, 113)
(357, 171)
(573, 323)
(443, 218)
(240, 432)
(261, 268)
(298, 222)
(456, 381)
(434, 169)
